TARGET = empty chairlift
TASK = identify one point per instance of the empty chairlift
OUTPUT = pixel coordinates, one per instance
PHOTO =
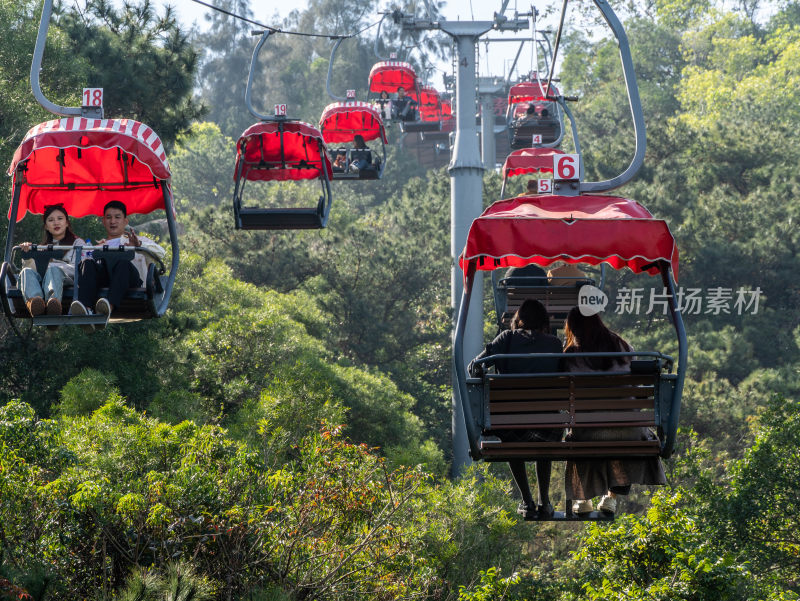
(278, 148)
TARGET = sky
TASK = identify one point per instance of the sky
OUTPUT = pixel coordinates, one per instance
(500, 56)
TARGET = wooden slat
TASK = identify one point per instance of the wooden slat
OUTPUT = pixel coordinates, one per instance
(581, 382)
(528, 406)
(532, 406)
(605, 417)
(529, 420)
(526, 394)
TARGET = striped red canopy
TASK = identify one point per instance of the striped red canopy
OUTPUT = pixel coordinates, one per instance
(341, 121)
(530, 90)
(575, 229)
(387, 76)
(282, 150)
(529, 160)
(85, 163)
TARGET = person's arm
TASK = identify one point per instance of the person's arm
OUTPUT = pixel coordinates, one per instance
(493, 348)
(147, 243)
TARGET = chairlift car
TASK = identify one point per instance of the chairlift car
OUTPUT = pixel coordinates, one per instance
(577, 225)
(82, 164)
(597, 229)
(340, 123)
(279, 148)
(428, 114)
(530, 114)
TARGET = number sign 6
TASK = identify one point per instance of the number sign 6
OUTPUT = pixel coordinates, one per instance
(92, 97)
(545, 186)
(280, 110)
(566, 166)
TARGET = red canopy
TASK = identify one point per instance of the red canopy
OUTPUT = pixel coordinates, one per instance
(84, 163)
(575, 229)
(529, 160)
(387, 76)
(341, 121)
(530, 90)
(282, 150)
(430, 105)
(447, 109)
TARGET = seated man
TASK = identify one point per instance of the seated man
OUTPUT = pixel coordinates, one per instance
(362, 157)
(566, 274)
(404, 107)
(124, 274)
(529, 275)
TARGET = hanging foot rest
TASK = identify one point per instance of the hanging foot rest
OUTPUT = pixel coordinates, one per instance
(411, 127)
(279, 219)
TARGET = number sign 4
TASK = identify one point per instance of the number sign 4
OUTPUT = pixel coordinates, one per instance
(92, 97)
(537, 138)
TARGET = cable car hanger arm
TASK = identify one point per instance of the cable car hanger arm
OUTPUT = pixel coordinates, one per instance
(36, 68)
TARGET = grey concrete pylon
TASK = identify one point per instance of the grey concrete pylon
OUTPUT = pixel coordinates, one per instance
(466, 187)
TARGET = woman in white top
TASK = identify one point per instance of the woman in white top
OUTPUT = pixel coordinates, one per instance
(44, 293)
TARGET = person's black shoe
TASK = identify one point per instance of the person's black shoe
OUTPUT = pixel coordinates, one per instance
(546, 511)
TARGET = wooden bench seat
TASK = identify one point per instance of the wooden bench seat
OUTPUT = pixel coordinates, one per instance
(557, 300)
(574, 401)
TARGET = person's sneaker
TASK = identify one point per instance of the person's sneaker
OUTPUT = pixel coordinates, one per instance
(584, 506)
(35, 306)
(102, 307)
(54, 306)
(608, 504)
(77, 308)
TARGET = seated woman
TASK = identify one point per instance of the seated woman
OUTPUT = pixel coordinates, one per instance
(608, 477)
(528, 334)
(361, 153)
(340, 162)
(44, 293)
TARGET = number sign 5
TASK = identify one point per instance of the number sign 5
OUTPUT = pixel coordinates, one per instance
(280, 110)
(92, 97)
(566, 167)
(545, 186)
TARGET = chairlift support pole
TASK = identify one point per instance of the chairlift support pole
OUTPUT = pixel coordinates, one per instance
(466, 188)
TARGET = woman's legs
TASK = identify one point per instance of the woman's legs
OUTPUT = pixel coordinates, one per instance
(53, 282)
(30, 284)
(521, 479)
(544, 468)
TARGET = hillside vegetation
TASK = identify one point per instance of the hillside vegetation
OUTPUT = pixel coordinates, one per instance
(283, 433)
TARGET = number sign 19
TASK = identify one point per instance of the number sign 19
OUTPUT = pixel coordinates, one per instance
(566, 167)
(280, 110)
(545, 186)
(92, 97)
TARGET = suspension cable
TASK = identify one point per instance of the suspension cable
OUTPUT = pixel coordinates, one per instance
(555, 49)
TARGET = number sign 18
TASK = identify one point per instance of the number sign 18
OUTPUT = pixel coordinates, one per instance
(92, 97)
(545, 186)
(393, 55)
(566, 166)
(280, 110)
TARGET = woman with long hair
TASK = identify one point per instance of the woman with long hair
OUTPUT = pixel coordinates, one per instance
(607, 477)
(529, 333)
(44, 293)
